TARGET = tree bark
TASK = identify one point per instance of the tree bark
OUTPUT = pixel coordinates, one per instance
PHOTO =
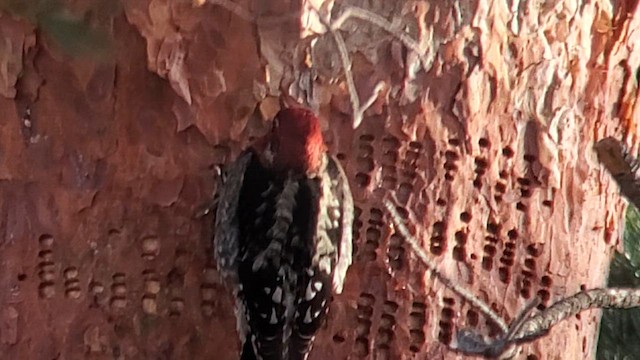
(105, 164)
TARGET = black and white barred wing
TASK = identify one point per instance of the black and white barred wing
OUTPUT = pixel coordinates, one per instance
(330, 253)
(340, 211)
(227, 232)
(623, 166)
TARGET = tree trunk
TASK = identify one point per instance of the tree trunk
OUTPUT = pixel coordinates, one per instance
(106, 162)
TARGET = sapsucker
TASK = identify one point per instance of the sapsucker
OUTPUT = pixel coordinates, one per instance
(283, 237)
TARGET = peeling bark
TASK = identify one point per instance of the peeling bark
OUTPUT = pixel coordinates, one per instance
(487, 135)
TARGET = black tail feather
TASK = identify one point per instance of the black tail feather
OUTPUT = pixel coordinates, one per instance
(247, 351)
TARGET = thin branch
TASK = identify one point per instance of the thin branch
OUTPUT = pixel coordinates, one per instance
(379, 21)
(472, 343)
(357, 109)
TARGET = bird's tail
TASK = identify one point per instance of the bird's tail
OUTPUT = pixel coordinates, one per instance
(247, 351)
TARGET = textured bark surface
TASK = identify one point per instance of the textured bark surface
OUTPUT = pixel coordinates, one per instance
(105, 164)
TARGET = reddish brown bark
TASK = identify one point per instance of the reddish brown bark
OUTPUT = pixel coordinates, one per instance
(104, 165)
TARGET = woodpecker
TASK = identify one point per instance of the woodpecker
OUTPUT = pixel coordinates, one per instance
(283, 237)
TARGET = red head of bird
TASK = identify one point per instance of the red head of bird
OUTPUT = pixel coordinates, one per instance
(297, 141)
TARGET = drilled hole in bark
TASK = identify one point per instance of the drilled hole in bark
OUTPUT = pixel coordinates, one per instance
(481, 163)
(363, 327)
(448, 177)
(487, 263)
(396, 240)
(366, 299)
(547, 203)
(389, 182)
(533, 250)
(395, 252)
(503, 174)
(396, 264)
(484, 143)
(507, 260)
(395, 256)
(525, 193)
(451, 156)
(369, 252)
(521, 206)
(491, 239)
(362, 179)
(544, 295)
(365, 164)
(384, 336)
(415, 145)
(493, 228)
(390, 306)
(465, 217)
(441, 202)
(46, 240)
(373, 235)
(338, 339)
(447, 313)
(504, 274)
(376, 215)
(391, 142)
(402, 212)
(45, 254)
(382, 352)
(436, 247)
(365, 151)
(530, 263)
(546, 281)
(449, 301)
(454, 142)
(524, 182)
(390, 157)
(532, 357)
(501, 188)
(472, 318)
(508, 152)
(416, 320)
(361, 347)
(404, 192)
(445, 335)
(477, 183)
(46, 289)
(367, 137)
(450, 166)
